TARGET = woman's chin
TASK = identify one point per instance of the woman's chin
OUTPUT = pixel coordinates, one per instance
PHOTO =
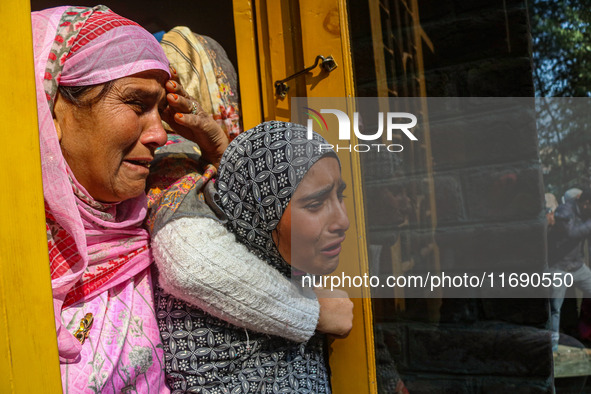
(131, 189)
(323, 267)
(330, 269)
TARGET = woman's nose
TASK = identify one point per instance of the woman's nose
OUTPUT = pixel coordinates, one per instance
(154, 134)
(341, 219)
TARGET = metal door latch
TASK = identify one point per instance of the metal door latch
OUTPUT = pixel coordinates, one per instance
(327, 63)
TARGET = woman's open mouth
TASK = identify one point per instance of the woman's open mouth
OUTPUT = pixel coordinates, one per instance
(334, 249)
(144, 163)
(139, 165)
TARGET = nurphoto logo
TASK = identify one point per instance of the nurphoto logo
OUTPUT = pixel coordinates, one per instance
(392, 120)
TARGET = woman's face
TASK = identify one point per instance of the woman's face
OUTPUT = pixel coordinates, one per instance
(110, 144)
(312, 228)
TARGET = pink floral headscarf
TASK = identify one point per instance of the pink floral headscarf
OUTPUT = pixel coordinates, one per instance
(96, 250)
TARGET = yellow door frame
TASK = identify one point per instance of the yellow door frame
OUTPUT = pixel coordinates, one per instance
(325, 31)
(287, 38)
(28, 347)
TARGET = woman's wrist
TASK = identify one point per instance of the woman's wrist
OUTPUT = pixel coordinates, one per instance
(213, 154)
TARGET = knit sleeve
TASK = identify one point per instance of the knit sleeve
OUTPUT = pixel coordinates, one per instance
(200, 262)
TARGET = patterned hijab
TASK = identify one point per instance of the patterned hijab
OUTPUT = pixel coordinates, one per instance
(92, 246)
(259, 172)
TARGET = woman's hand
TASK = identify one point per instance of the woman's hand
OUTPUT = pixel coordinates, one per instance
(336, 313)
(186, 117)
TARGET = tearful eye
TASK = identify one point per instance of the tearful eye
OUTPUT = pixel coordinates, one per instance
(341, 191)
(314, 205)
(137, 106)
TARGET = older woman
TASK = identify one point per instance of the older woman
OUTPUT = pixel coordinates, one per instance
(101, 92)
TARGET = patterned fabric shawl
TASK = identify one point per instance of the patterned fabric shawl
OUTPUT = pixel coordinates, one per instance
(258, 175)
(207, 75)
(98, 252)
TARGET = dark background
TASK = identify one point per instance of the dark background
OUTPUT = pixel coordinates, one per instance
(211, 18)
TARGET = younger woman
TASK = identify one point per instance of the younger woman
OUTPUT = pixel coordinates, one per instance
(281, 195)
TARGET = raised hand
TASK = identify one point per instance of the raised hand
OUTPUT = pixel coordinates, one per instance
(186, 117)
(336, 312)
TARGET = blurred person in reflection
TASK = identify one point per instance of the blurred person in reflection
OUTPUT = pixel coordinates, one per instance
(388, 208)
(551, 205)
(572, 225)
(571, 194)
(281, 196)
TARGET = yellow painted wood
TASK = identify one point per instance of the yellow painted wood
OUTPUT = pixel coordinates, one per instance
(377, 40)
(28, 346)
(279, 54)
(289, 39)
(248, 63)
(325, 32)
(265, 91)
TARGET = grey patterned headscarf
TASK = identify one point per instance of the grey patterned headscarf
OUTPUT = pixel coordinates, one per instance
(258, 174)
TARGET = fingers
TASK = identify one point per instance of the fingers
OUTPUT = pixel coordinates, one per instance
(181, 104)
(321, 292)
(336, 316)
(187, 118)
(177, 97)
(198, 120)
(182, 118)
(175, 90)
(182, 109)
(174, 74)
(174, 87)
